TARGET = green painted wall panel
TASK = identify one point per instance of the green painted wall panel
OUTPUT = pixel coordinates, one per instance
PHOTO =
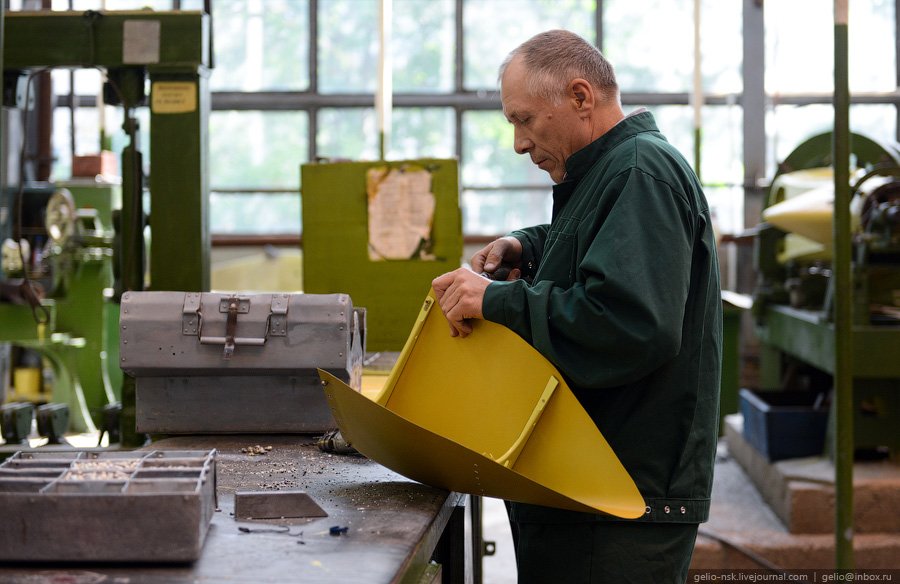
(335, 246)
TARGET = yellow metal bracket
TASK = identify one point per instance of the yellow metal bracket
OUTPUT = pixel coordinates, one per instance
(510, 456)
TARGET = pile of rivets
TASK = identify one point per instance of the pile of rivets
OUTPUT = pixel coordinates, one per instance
(101, 470)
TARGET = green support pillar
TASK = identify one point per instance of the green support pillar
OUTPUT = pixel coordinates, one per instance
(179, 180)
(843, 287)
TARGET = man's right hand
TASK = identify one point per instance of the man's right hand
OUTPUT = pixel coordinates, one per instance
(505, 252)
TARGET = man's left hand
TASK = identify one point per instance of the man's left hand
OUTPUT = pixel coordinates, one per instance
(460, 294)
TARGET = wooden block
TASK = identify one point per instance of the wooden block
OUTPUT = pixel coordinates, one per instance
(105, 163)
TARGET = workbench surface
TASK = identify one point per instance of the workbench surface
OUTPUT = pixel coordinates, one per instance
(393, 524)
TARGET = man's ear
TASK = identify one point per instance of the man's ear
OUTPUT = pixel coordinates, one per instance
(581, 95)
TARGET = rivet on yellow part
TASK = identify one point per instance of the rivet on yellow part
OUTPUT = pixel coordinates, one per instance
(450, 400)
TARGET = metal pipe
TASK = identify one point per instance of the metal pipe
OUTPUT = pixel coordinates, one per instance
(843, 307)
(697, 95)
(385, 80)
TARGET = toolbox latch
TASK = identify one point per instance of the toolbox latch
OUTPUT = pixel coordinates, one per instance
(233, 306)
(278, 315)
(190, 314)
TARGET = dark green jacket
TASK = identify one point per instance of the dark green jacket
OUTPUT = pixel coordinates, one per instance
(625, 301)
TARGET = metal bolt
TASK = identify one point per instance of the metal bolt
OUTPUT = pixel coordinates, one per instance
(666, 509)
(647, 510)
(683, 510)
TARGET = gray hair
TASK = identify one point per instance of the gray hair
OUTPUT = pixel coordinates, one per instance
(554, 58)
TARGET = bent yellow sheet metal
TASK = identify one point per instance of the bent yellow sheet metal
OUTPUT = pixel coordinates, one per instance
(485, 415)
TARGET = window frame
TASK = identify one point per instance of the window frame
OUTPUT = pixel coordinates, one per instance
(753, 100)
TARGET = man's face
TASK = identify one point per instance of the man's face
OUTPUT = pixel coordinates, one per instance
(548, 133)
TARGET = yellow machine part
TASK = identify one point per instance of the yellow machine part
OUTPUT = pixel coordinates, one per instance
(486, 415)
(805, 209)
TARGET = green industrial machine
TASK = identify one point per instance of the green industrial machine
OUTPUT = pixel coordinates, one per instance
(69, 232)
(169, 53)
(795, 292)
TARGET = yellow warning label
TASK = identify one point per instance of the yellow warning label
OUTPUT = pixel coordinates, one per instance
(173, 97)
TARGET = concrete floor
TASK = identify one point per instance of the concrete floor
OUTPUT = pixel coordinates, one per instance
(742, 530)
(501, 567)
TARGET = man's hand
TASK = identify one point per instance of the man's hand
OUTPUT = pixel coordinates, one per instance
(499, 255)
(460, 294)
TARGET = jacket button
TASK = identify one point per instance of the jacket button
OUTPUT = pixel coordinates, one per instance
(666, 509)
(683, 510)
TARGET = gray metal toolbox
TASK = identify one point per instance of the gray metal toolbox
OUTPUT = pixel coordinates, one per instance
(214, 362)
(110, 506)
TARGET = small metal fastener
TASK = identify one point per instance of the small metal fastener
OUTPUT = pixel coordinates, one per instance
(647, 510)
(683, 510)
(666, 509)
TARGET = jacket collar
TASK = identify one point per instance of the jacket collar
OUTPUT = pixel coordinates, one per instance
(581, 161)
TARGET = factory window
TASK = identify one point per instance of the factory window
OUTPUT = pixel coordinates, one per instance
(257, 149)
(792, 124)
(798, 63)
(294, 80)
(502, 190)
(347, 133)
(422, 132)
(261, 45)
(652, 48)
(422, 46)
(491, 28)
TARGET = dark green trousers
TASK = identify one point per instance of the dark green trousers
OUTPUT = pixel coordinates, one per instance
(594, 552)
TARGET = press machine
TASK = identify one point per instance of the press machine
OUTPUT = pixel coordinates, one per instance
(793, 299)
(170, 53)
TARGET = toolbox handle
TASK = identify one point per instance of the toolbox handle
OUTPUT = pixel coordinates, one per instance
(252, 341)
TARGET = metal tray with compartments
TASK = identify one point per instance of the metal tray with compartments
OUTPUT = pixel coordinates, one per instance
(107, 506)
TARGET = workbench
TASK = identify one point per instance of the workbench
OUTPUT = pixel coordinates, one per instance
(397, 530)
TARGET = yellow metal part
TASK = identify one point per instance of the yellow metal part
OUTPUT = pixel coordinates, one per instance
(485, 415)
(802, 204)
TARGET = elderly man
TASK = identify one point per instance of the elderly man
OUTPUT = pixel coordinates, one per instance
(621, 292)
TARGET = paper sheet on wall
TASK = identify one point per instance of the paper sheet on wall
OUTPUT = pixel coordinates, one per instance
(401, 213)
